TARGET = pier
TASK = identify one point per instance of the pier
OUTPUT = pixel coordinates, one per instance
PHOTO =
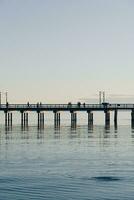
(25, 109)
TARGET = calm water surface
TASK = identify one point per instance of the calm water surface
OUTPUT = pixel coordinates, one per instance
(66, 163)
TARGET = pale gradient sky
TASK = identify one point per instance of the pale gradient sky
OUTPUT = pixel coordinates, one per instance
(65, 50)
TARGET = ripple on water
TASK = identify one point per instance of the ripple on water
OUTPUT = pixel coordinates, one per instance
(106, 178)
(98, 178)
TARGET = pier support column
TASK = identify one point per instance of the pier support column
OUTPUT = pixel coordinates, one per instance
(8, 119)
(90, 118)
(9, 115)
(73, 119)
(132, 118)
(6, 115)
(115, 117)
(24, 119)
(107, 118)
(56, 119)
(40, 120)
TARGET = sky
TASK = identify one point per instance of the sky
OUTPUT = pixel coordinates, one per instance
(55, 51)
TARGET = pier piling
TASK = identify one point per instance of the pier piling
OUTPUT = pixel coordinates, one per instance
(56, 119)
(40, 120)
(115, 116)
(73, 119)
(90, 118)
(8, 119)
(132, 117)
(24, 119)
(107, 118)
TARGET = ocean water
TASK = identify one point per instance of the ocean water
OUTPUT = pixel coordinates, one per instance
(67, 163)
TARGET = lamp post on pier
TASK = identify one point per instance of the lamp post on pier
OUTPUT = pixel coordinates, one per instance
(99, 97)
(0, 98)
(6, 97)
(102, 97)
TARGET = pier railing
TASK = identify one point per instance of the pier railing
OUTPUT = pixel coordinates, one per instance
(67, 106)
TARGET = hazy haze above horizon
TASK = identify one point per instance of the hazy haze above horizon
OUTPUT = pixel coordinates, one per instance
(60, 51)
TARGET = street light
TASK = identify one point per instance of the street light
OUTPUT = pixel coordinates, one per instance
(101, 97)
(0, 98)
(6, 97)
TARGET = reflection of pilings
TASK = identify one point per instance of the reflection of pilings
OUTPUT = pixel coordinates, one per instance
(107, 127)
(56, 119)
(40, 120)
(90, 127)
(73, 119)
(107, 118)
(115, 126)
(8, 119)
(90, 118)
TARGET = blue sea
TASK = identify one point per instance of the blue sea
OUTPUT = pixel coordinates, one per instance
(80, 163)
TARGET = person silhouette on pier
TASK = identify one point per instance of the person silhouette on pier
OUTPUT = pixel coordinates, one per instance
(79, 104)
(7, 104)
